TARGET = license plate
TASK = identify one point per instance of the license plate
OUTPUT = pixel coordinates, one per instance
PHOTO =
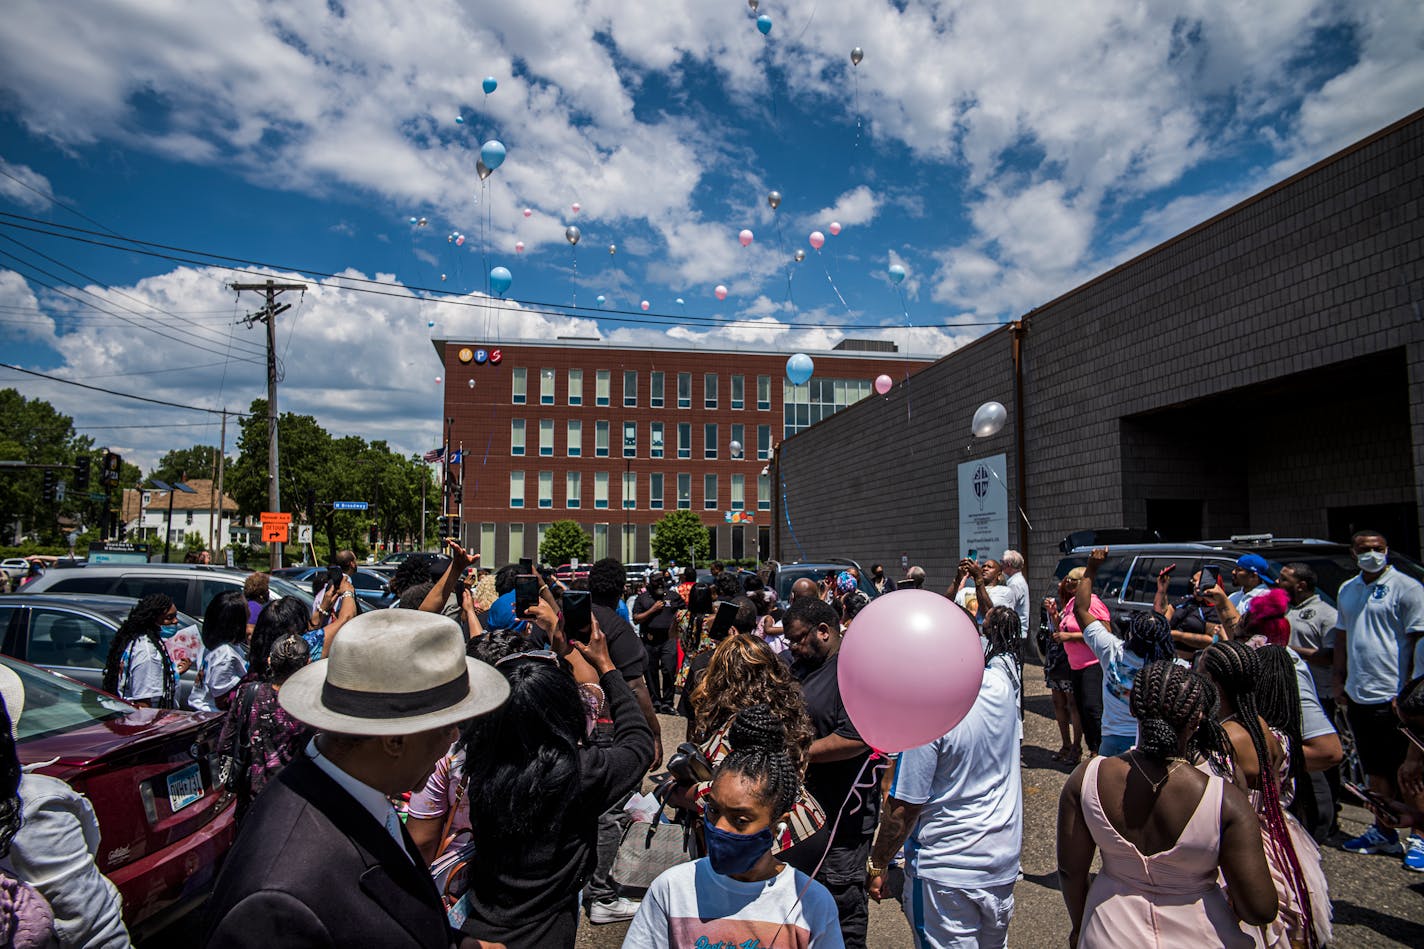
(184, 787)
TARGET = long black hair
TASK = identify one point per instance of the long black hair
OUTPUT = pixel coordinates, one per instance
(1278, 699)
(143, 620)
(10, 773)
(1149, 636)
(1166, 699)
(1236, 668)
(287, 616)
(522, 759)
(225, 620)
(760, 753)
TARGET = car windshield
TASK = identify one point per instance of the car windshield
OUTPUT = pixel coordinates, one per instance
(54, 704)
(280, 587)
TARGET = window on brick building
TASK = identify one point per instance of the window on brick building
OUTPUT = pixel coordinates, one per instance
(520, 383)
(516, 436)
(575, 387)
(655, 389)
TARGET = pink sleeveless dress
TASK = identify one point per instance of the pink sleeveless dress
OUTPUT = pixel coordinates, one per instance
(1168, 900)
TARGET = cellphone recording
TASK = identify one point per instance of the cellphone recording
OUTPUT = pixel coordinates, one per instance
(722, 622)
(526, 594)
(526, 565)
(578, 615)
(1370, 798)
(1208, 579)
(333, 575)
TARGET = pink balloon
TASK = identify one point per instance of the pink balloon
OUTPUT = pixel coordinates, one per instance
(818, 240)
(437, 380)
(720, 292)
(575, 207)
(460, 241)
(883, 383)
(644, 304)
(910, 669)
(519, 247)
(528, 211)
(835, 228)
(745, 237)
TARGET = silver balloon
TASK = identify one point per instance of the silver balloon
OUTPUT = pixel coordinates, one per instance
(571, 234)
(774, 199)
(856, 55)
(736, 448)
(800, 255)
(612, 249)
(484, 170)
(989, 419)
(754, 4)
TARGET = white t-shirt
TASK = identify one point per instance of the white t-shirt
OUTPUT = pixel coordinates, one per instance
(1313, 722)
(1119, 668)
(1241, 599)
(999, 595)
(1018, 586)
(970, 831)
(219, 672)
(1313, 624)
(692, 907)
(1379, 620)
(141, 672)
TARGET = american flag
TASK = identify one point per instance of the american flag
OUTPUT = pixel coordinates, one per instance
(434, 454)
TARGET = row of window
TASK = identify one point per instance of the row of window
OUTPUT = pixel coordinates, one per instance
(744, 541)
(573, 439)
(573, 491)
(657, 383)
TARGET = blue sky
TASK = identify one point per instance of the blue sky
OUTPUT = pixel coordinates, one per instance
(1001, 153)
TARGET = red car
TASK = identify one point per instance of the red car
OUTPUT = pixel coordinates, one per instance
(150, 775)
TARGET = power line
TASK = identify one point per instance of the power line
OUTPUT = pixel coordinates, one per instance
(58, 203)
(126, 395)
(436, 295)
(170, 425)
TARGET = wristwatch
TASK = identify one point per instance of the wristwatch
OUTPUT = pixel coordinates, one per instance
(871, 870)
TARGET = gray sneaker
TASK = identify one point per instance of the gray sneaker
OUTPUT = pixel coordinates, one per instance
(612, 911)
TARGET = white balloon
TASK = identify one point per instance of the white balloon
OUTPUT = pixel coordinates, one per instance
(989, 419)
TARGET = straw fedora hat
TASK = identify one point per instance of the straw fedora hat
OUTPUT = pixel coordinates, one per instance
(393, 672)
(12, 690)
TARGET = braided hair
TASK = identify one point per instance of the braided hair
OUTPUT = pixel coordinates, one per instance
(143, 620)
(1149, 636)
(1236, 668)
(1167, 698)
(759, 753)
(1278, 699)
(1001, 632)
(10, 773)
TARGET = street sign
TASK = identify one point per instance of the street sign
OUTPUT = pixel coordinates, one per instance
(348, 505)
(274, 533)
(95, 496)
(304, 534)
(276, 517)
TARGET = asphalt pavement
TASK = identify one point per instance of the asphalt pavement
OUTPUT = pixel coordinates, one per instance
(1377, 903)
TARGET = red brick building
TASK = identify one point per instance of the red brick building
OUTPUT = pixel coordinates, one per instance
(614, 437)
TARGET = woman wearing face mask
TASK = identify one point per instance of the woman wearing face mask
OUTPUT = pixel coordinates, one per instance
(139, 669)
(740, 894)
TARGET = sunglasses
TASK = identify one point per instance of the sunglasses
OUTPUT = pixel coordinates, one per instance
(543, 655)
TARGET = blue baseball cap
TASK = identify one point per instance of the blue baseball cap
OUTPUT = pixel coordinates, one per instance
(1256, 564)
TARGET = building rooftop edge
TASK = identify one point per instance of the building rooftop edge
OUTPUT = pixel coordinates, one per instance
(438, 342)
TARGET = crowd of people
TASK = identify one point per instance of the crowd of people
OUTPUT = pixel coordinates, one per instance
(467, 768)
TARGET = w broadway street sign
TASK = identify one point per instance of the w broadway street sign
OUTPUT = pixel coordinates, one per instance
(348, 505)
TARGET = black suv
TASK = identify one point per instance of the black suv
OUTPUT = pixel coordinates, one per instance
(784, 575)
(1127, 580)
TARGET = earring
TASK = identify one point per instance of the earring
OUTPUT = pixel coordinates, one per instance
(781, 828)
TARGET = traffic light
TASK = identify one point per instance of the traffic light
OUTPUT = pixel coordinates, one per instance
(51, 478)
(110, 469)
(442, 526)
(449, 526)
(459, 494)
(81, 472)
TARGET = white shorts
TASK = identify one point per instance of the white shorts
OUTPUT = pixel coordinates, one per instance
(952, 917)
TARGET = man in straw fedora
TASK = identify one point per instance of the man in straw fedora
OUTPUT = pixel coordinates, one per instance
(322, 858)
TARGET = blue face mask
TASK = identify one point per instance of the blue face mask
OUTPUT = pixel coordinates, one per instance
(731, 853)
(168, 631)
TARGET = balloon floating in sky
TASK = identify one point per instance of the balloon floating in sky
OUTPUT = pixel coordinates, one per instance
(572, 234)
(430, 324)
(438, 380)
(645, 304)
(883, 383)
(483, 170)
(492, 154)
(442, 278)
(764, 24)
(460, 241)
(500, 279)
(490, 84)
(856, 55)
(519, 247)
(989, 419)
(720, 292)
(835, 228)
(774, 199)
(680, 301)
(800, 255)
(459, 120)
(612, 249)
(799, 368)
(600, 299)
(745, 237)
(528, 211)
(575, 207)
(754, 4)
(413, 220)
(817, 239)
(897, 274)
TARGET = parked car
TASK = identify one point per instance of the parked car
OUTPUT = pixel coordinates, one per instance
(16, 567)
(388, 565)
(1127, 580)
(151, 775)
(567, 573)
(371, 587)
(783, 576)
(192, 586)
(71, 633)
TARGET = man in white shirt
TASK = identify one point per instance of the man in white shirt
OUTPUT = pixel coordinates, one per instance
(956, 805)
(1381, 618)
(1251, 577)
(1013, 564)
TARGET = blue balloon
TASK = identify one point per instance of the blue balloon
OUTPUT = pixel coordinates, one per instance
(459, 120)
(799, 368)
(430, 324)
(601, 299)
(492, 154)
(897, 273)
(500, 279)
(490, 84)
(764, 24)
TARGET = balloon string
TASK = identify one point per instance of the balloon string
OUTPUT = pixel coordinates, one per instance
(833, 283)
(1006, 489)
(856, 73)
(781, 249)
(573, 252)
(786, 506)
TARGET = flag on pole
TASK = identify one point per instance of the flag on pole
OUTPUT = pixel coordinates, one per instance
(434, 454)
(456, 456)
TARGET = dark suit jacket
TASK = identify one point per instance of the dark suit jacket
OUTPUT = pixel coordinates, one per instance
(311, 867)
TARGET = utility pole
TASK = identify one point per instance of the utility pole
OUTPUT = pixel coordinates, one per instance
(222, 458)
(268, 314)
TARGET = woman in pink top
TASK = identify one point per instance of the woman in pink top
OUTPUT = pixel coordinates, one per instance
(1086, 673)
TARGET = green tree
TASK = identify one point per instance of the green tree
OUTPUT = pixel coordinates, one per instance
(563, 541)
(680, 533)
(193, 540)
(181, 464)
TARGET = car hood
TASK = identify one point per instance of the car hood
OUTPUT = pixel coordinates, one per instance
(124, 734)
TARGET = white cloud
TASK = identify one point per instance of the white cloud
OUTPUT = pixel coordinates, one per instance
(24, 186)
(857, 206)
